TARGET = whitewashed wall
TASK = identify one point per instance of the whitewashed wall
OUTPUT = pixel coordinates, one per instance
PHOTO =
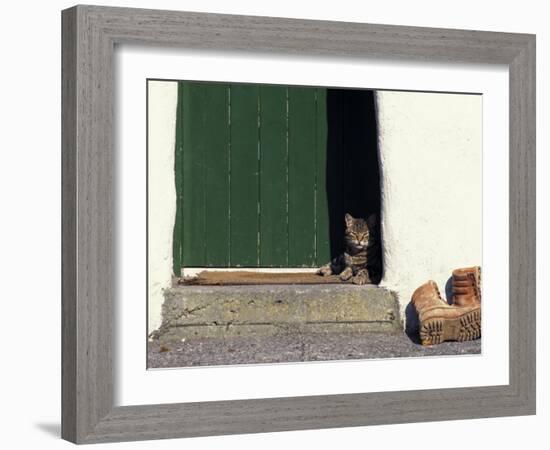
(430, 156)
(163, 98)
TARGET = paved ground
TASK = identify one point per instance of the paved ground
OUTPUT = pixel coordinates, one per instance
(293, 348)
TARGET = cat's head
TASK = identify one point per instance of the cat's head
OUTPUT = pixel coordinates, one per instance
(358, 231)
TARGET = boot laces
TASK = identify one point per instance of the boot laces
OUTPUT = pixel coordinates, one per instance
(475, 284)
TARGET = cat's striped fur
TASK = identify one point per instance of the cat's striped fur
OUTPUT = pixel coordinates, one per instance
(359, 260)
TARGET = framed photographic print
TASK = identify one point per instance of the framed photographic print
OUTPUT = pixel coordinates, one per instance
(278, 224)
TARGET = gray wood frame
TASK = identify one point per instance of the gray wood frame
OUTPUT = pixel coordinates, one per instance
(89, 36)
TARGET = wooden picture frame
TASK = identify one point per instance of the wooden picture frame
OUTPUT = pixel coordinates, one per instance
(89, 36)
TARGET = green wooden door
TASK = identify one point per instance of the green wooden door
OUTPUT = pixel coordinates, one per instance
(250, 168)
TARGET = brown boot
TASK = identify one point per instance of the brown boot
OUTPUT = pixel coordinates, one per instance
(440, 321)
(467, 286)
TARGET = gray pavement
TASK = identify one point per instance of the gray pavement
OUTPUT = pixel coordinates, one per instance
(296, 348)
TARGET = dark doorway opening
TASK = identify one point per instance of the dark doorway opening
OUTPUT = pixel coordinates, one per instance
(352, 170)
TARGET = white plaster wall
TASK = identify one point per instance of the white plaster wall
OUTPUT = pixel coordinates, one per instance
(162, 96)
(431, 164)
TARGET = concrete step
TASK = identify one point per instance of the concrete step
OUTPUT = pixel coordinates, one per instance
(262, 310)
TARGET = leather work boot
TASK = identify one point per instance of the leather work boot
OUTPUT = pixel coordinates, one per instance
(466, 284)
(440, 321)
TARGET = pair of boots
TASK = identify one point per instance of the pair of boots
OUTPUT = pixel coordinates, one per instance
(460, 321)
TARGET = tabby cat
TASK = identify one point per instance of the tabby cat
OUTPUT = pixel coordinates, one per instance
(360, 260)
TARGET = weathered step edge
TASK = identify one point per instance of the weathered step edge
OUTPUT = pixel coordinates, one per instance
(224, 311)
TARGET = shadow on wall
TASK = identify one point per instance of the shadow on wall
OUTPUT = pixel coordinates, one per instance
(53, 429)
(352, 172)
(449, 290)
(411, 323)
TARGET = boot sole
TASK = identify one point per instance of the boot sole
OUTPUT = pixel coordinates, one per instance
(440, 329)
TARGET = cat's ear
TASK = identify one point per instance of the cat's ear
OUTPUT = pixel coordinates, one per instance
(349, 219)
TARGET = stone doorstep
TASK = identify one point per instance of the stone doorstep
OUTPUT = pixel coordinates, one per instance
(262, 310)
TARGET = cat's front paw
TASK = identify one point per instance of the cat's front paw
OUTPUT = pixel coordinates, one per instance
(361, 278)
(346, 274)
(325, 271)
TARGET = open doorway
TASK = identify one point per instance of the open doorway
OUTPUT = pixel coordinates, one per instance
(266, 174)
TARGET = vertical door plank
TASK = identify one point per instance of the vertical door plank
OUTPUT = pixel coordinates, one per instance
(273, 177)
(322, 235)
(335, 170)
(244, 176)
(177, 237)
(194, 115)
(215, 126)
(301, 176)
